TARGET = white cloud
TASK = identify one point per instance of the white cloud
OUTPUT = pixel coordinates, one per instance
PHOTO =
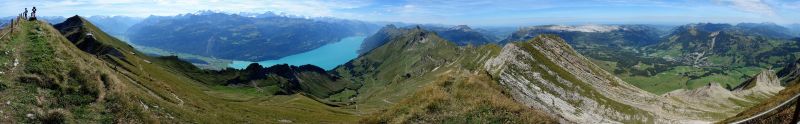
(792, 5)
(752, 6)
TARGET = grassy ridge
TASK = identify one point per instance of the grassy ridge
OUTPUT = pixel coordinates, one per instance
(187, 99)
(128, 88)
(97, 78)
(460, 97)
(48, 82)
(394, 70)
(417, 77)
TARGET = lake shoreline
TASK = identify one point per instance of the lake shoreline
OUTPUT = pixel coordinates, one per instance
(326, 57)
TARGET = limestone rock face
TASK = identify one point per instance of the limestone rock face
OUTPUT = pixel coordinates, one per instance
(547, 74)
(763, 85)
(712, 96)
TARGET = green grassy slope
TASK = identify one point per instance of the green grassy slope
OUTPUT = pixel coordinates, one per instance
(394, 70)
(57, 81)
(417, 77)
(460, 96)
(76, 73)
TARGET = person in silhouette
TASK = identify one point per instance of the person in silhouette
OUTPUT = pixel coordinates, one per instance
(33, 13)
(25, 14)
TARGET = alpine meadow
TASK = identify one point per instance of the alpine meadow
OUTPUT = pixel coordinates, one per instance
(400, 62)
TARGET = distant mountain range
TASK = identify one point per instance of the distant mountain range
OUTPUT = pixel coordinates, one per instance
(115, 25)
(795, 29)
(588, 35)
(463, 34)
(231, 36)
(460, 34)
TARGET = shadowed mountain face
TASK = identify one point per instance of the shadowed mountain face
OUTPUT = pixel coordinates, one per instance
(242, 38)
(790, 73)
(379, 38)
(87, 38)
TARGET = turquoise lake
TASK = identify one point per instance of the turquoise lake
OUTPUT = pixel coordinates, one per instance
(327, 57)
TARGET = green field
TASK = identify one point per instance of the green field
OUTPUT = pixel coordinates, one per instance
(687, 77)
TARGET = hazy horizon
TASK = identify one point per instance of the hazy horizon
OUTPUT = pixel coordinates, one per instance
(449, 12)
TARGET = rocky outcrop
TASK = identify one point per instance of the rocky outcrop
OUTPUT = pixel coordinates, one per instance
(779, 108)
(763, 85)
(712, 95)
(545, 73)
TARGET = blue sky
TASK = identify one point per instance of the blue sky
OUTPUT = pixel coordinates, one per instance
(471, 12)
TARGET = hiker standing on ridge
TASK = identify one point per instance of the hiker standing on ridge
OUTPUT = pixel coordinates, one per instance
(25, 14)
(33, 14)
